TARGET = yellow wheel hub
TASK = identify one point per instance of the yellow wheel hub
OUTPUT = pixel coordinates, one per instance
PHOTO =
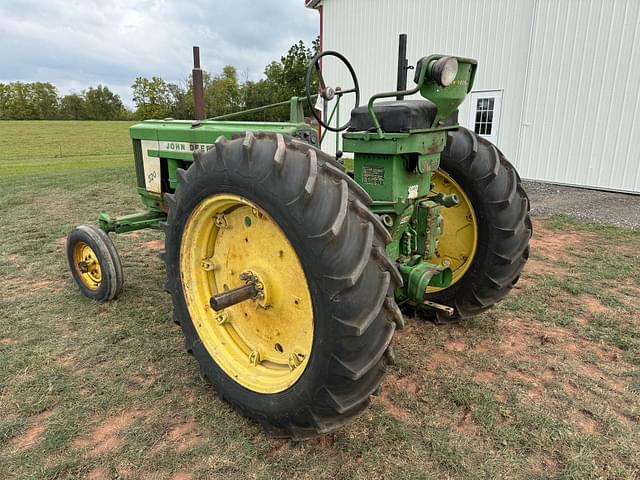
(459, 238)
(263, 344)
(87, 266)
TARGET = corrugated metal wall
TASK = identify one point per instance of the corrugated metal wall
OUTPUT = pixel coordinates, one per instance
(577, 60)
(581, 124)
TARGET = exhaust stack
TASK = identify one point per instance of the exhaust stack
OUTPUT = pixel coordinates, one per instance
(198, 88)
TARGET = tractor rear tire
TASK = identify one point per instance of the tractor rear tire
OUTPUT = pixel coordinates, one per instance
(502, 223)
(339, 243)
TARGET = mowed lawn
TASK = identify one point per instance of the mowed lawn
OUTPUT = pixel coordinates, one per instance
(546, 385)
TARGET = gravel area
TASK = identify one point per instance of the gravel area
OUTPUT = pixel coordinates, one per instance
(594, 206)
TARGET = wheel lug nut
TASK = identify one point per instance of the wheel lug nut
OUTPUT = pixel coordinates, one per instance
(254, 358)
(295, 359)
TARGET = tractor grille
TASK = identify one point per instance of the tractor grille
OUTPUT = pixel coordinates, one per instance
(137, 156)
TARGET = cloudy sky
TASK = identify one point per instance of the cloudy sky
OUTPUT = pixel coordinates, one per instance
(77, 43)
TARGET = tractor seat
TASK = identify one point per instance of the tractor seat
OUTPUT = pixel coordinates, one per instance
(396, 116)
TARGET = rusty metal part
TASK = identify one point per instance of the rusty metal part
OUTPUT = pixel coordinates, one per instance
(198, 86)
(236, 295)
(449, 311)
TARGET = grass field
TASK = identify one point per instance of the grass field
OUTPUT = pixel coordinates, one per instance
(546, 385)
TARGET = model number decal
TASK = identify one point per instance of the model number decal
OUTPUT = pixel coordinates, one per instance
(373, 174)
(151, 166)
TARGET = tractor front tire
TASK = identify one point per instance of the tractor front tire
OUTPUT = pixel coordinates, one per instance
(94, 263)
(304, 358)
(498, 228)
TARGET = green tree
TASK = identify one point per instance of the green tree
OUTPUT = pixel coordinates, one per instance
(28, 101)
(43, 97)
(258, 94)
(5, 100)
(182, 100)
(222, 92)
(72, 107)
(20, 106)
(283, 80)
(153, 98)
(100, 103)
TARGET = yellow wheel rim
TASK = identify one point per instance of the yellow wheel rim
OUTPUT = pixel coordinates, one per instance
(87, 266)
(262, 344)
(459, 239)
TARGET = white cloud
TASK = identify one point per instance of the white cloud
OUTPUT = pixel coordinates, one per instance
(74, 44)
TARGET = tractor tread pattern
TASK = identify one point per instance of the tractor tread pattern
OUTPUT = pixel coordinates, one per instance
(504, 227)
(357, 285)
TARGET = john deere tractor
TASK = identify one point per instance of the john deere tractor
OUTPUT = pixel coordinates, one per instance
(288, 274)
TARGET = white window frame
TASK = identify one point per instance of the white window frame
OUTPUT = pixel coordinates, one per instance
(488, 120)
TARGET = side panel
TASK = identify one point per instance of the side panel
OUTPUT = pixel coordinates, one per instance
(162, 146)
(152, 173)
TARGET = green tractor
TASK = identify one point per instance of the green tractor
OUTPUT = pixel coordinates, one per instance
(288, 273)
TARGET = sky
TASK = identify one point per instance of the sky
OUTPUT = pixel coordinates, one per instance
(75, 44)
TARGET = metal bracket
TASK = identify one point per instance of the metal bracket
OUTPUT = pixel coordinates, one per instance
(129, 223)
(438, 306)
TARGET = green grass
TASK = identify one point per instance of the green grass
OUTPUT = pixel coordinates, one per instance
(30, 147)
(545, 385)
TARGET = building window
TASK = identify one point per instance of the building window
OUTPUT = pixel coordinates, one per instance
(484, 115)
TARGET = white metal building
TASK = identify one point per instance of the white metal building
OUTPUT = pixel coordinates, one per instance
(562, 76)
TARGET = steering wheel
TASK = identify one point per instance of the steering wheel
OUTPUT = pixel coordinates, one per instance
(327, 92)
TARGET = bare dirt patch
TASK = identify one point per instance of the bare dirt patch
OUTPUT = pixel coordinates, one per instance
(279, 448)
(533, 382)
(521, 377)
(325, 443)
(27, 286)
(154, 244)
(184, 436)
(514, 344)
(455, 345)
(593, 305)
(106, 437)
(483, 346)
(538, 267)
(7, 341)
(34, 433)
(465, 423)
(597, 374)
(124, 471)
(442, 359)
(406, 384)
(542, 464)
(182, 476)
(144, 380)
(630, 292)
(391, 407)
(98, 473)
(554, 245)
(584, 422)
(484, 377)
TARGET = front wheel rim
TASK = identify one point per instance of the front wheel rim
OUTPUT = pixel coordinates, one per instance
(262, 344)
(87, 265)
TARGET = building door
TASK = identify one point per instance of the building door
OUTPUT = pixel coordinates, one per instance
(484, 114)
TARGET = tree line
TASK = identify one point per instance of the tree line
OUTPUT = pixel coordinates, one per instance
(156, 98)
